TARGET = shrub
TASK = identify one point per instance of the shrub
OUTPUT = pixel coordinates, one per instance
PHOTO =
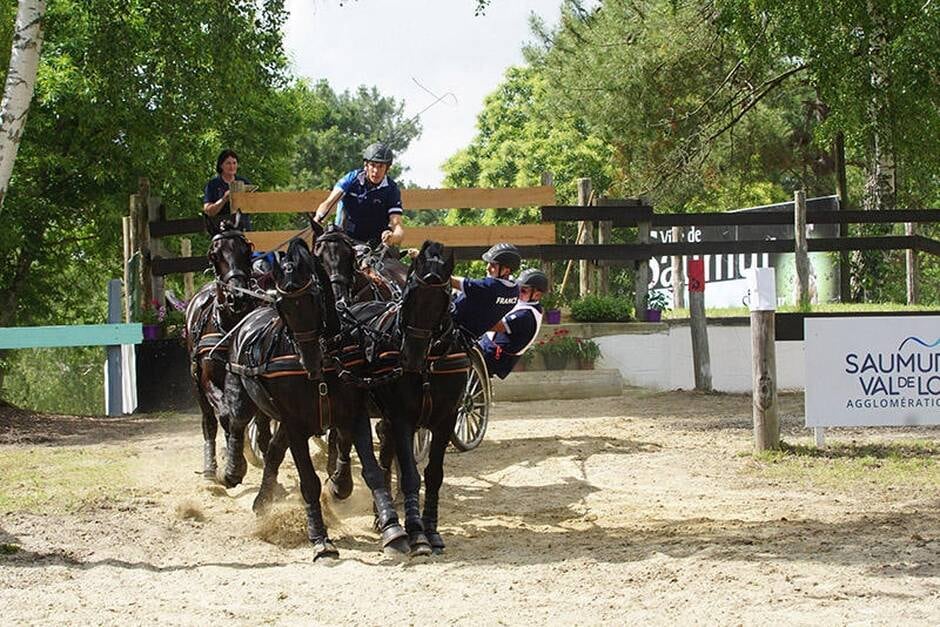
(593, 308)
(657, 300)
(563, 344)
(551, 300)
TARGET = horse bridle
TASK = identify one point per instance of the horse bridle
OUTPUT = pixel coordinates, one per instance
(231, 291)
(445, 325)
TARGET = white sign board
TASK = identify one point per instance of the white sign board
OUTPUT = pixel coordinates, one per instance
(872, 371)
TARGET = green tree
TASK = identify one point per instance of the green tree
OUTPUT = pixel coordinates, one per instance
(339, 126)
(125, 89)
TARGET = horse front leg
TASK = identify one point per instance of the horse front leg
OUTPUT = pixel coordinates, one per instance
(273, 458)
(309, 487)
(433, 479)
(239, 410)
(339, 464)
(403, 430)
(394, 538)
(210, 428)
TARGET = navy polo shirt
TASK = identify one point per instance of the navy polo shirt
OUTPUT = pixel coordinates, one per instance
(365, 208)
(483, 303)
(501, 350)
(216, 188)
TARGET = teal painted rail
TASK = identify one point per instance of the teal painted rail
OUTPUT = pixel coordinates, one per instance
(76, 335)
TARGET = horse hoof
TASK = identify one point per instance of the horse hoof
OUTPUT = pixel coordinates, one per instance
(230, 481)
(261, 506)
(341, 484)
(324, 549)
(397, 548)
(393, 533)
(340, 492)
(420, 547)
(436, 541)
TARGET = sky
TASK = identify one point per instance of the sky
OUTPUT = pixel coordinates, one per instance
(388, 43)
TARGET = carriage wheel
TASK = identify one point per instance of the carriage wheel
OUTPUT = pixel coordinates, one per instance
(473, 412)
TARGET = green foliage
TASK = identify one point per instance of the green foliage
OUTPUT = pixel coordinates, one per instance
(552, 300)
(657, 300)
(520, 136)
(62, 380)
(562, 344)
(339, 126)
(593, 308)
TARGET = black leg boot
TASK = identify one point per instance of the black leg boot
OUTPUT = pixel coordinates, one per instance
(415, 527)
(316, 533)
(430, 524)
(341, 481)
(394, 538)
(235, 464)
(209, 466)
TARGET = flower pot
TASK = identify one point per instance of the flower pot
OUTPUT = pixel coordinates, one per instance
(555, 362)
(152, 331)
(585, 364)
(654, 315)
(553, 316)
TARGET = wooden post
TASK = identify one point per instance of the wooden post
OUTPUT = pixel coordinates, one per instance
(546, 264)
(139, 216)
(186, 250)
(701, 360)
(585, 230)
(604, 236)
(762, 298)
(678, 272)
(157, 250)
(912, 264)
(845, 286)
(641, 282)
(113, 396)
(128, 251)
(802, 254)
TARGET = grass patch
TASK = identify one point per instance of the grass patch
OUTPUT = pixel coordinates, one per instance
(911, 463)
(51, 480)
(8, 549)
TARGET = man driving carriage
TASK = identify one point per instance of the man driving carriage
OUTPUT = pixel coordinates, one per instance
(369, 201)
(369, 208)
(514, 334)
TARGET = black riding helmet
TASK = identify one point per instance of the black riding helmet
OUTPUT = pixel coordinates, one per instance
(534, 278)
(378, 152)
(505, 255)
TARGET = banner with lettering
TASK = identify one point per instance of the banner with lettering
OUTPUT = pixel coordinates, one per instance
(872, 371)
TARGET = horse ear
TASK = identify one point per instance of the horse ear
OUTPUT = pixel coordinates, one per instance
(449, 264)
(315, 226)
(212, 225)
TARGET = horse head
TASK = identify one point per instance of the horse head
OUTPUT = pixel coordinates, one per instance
(335, 251)
(306, 308)
(425, 308)
(230, 255)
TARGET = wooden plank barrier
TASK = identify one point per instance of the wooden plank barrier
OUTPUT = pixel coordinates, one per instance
(411, 199)
(520, 235)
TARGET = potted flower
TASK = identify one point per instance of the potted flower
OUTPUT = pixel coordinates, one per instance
(551, 305)
(656, 304)
(558, 349)
(588, 352)
(151, 317)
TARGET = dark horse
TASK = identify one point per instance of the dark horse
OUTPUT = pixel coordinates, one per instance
(278, 359)
(435, 364)
(214, 311)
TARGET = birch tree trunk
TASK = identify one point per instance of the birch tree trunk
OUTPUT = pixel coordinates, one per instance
(20, 83)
